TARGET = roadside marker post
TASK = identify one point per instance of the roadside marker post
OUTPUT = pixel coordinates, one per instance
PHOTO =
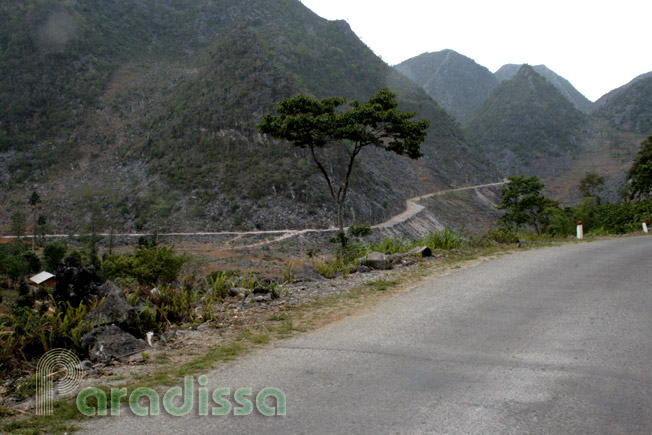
(580, 231)
(645, 227)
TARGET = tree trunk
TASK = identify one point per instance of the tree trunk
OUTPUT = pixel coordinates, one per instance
(340, 223)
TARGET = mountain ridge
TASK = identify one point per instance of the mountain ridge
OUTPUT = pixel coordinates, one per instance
(564, 86)
(525, 122)
(455, 81)
(167, 140)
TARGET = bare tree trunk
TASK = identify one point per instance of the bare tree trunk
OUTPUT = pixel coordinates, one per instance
(340, 222)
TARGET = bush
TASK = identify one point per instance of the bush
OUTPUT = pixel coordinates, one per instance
(499, 235)
(558, 222)
(36, 332)
(444, 239)
(612, 218)
(149, 266)
(393, 246)
(53, 253)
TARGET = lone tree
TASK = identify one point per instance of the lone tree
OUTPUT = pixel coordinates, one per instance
(640, 174)
(310, 123)
(522, 199)
(591, 186)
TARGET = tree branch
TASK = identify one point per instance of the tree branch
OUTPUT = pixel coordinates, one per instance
(323, 171)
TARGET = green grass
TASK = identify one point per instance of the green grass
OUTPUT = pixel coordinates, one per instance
(382, 285)
(279, 317)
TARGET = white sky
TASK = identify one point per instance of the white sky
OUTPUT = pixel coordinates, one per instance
(597, 45)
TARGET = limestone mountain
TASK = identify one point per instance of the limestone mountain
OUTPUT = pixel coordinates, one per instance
(628, 108)
(526, 124)
(142, 114)
(455, 81)
(582, 103)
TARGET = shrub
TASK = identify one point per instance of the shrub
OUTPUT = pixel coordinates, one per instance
(147, 265)
(220, 284)
(393, 246)
(36, 332)
(499, 235)
(444, 239)
(53, 253)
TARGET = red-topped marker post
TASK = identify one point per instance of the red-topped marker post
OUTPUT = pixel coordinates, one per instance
(580, 230)
(645, 227)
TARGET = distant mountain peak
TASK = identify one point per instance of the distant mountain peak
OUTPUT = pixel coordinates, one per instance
(582, 103)
(525, 122)
(628, 108)
(455, 81)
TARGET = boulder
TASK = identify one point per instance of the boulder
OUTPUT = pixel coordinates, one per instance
(309, 274)
(113, 310)
(74, 283)
(239, 292)
(363, 269)
(375, 260)
(111, 343)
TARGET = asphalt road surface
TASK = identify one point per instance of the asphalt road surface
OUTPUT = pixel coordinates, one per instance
(548, 341)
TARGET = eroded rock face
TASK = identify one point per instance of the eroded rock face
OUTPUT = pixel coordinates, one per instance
(111, 343)
(74, 283)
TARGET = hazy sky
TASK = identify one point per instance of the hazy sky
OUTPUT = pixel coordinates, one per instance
(597, 45)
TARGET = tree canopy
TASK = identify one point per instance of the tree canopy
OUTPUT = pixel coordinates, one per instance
(640, 174)
(522, 199)
(591, 186)
(309, 123)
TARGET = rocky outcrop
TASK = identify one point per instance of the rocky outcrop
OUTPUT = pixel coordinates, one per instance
(111, 343)
(75, 284)
(115, 309)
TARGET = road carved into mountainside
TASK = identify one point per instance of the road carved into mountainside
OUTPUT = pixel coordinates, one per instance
(412, 209)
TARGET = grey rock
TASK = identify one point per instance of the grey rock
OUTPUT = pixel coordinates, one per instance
(375, 260)
(113, 310)
(309, 274)
(239, 292)
(109, 343)
(263, 298)
(363, 269)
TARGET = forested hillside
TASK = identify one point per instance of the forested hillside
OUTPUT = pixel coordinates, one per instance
(145, 112)
(525, 122)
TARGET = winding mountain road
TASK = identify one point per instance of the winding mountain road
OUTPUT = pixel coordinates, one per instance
(548, 341)
(412, 208)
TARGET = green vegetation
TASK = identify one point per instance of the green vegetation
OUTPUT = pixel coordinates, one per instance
(27, 332)
(53, 253)
(309, 123)
(521, 198)
(147, 265)
(527, 208)
(382, 285)
(17, 261)
(529, 117)
(640, 174)
(591, 186)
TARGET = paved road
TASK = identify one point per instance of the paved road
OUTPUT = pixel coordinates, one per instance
(550, 341)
